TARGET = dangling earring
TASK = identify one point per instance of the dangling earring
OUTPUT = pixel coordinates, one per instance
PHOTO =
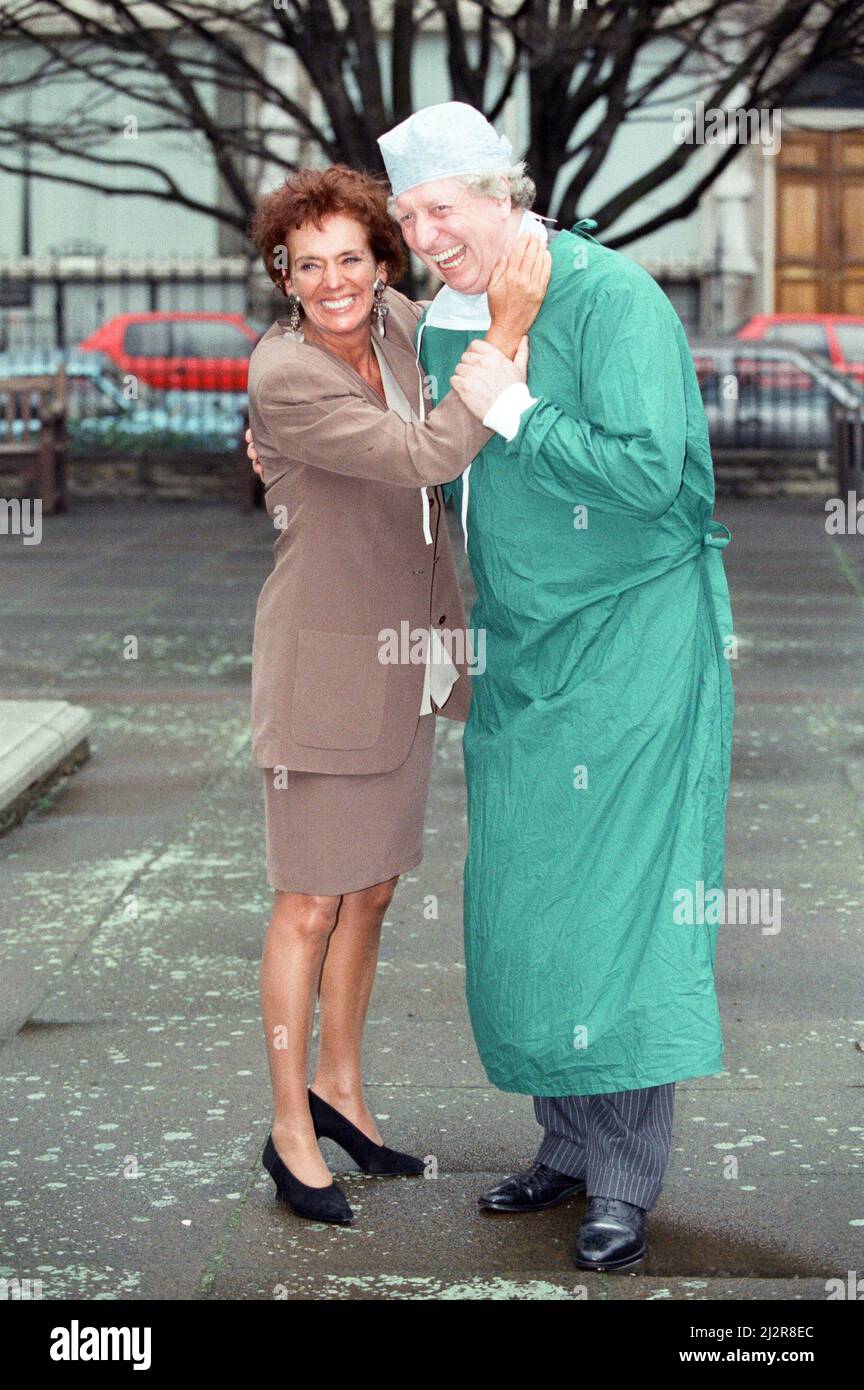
(380, 310)
(293, 312)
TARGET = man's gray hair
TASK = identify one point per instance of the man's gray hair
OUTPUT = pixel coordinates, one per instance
(523, 190)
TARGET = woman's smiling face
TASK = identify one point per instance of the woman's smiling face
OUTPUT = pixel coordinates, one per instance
(332, 271)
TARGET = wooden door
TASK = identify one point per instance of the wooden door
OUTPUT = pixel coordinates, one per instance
(819, 265)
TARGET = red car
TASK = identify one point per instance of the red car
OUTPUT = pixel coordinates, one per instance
(179, 351)
(838, 337)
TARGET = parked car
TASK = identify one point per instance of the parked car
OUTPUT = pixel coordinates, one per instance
(180, 351)
(105, 417)
(761, 397)
(839, 338)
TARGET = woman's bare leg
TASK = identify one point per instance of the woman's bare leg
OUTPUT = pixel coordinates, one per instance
(346, 985)
(294, 950)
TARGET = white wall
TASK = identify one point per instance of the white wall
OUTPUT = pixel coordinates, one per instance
(124, 226)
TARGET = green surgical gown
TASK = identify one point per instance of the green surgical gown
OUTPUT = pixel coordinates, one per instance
(597, 751)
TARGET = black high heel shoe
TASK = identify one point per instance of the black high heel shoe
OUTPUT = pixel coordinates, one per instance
(316, 1203)
(372, 1158)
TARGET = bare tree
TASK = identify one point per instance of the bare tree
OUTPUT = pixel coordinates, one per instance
(199, 69)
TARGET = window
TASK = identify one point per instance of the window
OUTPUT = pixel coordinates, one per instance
(850, 336)
(684, 295)
(809, 337)
(151, 338)
(209, 338)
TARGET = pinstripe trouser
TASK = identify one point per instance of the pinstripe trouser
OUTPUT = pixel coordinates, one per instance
(618, 1142)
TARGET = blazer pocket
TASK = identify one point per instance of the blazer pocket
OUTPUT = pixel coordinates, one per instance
(339, 690)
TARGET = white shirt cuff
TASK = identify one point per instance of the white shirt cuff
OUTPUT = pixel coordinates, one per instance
(506, 410)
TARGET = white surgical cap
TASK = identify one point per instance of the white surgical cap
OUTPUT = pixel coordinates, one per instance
(442, 142)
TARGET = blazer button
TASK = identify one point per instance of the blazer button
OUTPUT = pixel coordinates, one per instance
(443, 618)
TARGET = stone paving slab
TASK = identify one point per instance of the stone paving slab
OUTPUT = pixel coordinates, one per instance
(36, 736)
(635, 1287)
(423, 1228)
(184, 1096)
(134, 909)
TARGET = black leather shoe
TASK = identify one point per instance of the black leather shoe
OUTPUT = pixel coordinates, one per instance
(612, 1235)
(536, 1189)
(315, 1203)
(372, 1158)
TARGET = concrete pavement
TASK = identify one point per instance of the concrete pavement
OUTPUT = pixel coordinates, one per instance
(135, 1094)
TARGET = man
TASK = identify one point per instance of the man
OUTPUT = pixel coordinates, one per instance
(597, 750)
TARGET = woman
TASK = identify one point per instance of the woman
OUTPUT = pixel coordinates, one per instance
(343, 736)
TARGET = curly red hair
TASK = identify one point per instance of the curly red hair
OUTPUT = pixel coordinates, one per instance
(311, 195)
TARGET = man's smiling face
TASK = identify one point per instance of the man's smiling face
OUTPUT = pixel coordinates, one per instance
(460, 235)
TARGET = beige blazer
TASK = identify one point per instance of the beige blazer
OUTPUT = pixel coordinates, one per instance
(344, 480)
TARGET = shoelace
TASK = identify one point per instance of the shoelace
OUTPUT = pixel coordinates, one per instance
(609, 1205)
(604, 1203)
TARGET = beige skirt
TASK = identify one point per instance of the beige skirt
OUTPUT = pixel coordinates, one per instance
(330, 834)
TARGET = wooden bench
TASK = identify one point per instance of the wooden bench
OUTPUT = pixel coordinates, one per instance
(33, 434)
